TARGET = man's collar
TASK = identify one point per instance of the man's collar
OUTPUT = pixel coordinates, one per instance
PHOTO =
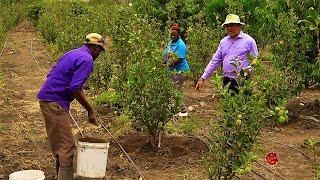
(241, 35)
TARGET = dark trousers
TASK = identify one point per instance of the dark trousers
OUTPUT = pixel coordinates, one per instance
(233, 84)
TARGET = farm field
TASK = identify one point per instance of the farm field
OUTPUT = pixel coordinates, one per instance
(251, 90)
(24, 144)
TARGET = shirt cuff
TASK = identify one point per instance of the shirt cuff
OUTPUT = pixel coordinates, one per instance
(205, 76)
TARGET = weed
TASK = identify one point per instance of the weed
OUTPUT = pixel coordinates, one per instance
(1, 79)
(189, 125)
(317, 169)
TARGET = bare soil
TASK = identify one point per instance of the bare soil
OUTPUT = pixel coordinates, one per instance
(23, 142)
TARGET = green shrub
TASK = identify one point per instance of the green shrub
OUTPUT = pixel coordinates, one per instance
(35, 11)
(151, 97)
(242, 117)
(108, 97)
(202, 43)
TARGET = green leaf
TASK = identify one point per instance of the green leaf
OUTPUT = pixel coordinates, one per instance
(303, 21)
(312, 13)
(312, 27)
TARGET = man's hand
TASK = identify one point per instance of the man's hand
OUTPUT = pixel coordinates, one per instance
(92, 116)
(81, 98)
(199, 84)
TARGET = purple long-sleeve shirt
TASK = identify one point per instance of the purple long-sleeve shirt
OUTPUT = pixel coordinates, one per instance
(66, 76)
(230, 49)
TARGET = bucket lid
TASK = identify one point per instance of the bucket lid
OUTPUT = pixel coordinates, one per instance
(27, 175)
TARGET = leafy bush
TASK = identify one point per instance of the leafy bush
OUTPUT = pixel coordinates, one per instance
(48, 28)
(35, 11)
(151, 97)
(262, 97)
(11, 13)
(108, 97)
(184, 12)
(242, 118)
(202, 42)
(100, 79)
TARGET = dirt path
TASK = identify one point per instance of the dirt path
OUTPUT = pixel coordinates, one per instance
(23, 141)
(22, 133)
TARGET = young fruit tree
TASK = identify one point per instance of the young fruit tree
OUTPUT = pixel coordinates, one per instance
(151, 97)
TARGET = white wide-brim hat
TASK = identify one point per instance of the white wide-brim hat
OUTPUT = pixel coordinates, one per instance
(232, 18)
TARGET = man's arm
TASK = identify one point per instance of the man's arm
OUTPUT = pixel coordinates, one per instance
(213, 64)
(254, 49)
(81, 98)
(83, 69)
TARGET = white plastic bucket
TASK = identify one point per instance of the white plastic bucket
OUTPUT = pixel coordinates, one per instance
(92, 159)
(27, 175)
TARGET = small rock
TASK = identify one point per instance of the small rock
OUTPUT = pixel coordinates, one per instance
(301, 104)
(203, 104)
(277, 129)
(190, 108)
(117, 169)
(301, 132)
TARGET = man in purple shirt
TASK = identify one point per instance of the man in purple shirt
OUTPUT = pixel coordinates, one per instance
(64, 84)
(233, 49)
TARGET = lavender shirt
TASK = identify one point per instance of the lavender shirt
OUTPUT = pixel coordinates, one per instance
(66, 76)
(230, 49)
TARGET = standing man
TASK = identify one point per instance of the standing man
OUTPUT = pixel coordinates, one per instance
(234, 47)
(64, 84)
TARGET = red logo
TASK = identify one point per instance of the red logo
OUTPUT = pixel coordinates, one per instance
(272, 158)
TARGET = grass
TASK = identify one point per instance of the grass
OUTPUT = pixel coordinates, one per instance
(193, 174)
(317, 169)
(170, 128)
(189, 125)
(122, 124)
(108, 97)
(1, 79)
